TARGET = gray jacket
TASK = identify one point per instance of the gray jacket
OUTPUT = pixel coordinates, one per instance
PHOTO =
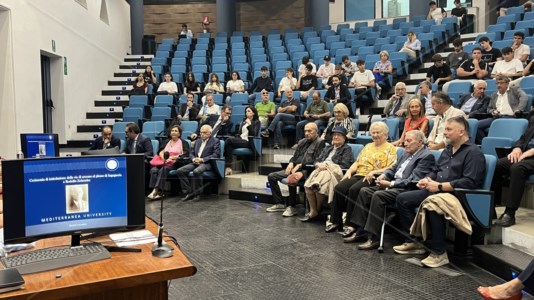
(516, 97)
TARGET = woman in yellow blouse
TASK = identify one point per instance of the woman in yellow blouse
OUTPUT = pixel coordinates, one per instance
(375, 158)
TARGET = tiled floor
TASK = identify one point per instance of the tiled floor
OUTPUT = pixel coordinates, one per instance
(242, 252)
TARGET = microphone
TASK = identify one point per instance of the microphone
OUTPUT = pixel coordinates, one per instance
(162, 249)
(166, 155)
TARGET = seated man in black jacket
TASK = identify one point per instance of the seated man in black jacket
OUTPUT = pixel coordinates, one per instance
(475, 105)
(264, 82)
(106, 140)
(339, 93)
(221, 124)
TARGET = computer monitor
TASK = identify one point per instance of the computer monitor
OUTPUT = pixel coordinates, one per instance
(108, 151)
(72, 195)
(39, 144)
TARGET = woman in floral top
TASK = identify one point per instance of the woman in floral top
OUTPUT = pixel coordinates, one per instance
(374, 159)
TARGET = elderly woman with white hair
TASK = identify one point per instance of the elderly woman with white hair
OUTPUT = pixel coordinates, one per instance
(374, 159)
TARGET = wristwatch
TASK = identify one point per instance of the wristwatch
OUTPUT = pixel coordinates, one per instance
(440, 187)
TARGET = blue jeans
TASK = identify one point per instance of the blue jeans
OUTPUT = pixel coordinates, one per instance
(280, 119)
(301, 124)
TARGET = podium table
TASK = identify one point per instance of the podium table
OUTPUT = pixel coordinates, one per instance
(127, 275)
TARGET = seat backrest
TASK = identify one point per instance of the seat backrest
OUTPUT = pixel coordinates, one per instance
(356, 149)
(164, 99)
(508, 128)
(491, 162)
(162, 111)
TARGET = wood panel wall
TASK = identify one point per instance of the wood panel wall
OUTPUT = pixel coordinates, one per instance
(164, 21)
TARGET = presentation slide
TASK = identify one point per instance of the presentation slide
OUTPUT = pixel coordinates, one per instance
(75, 194)
(40, 145)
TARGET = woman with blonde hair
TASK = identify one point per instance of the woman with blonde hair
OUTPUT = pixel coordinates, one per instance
(340, 119)
(381, 70)
(411, 45)
(416, 120)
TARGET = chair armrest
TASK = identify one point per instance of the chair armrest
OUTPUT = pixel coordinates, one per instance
(478, 205)
(218, 165)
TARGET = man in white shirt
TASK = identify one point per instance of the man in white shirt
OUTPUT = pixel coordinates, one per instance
(436, 13)
(210, 108)
(326, 70)
(288, 82)
(363, 80)
(425, 94)
(521, 51)
(507, 102)
(187, 32)
(510, 67)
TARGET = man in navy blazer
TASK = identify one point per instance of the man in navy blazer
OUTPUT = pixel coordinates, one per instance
(137, 143)
(476, 102)
(413, 165)
(106, 140)
(221, 124)
(206, 148)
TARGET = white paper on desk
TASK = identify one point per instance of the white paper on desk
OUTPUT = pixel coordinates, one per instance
(131, 238)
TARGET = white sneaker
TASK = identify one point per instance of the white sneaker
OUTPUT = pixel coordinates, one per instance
(436, 260)
(276, 208)
(409, 249)
(289, 212)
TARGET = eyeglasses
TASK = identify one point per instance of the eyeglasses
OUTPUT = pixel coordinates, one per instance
(265, 93)
(204, 132)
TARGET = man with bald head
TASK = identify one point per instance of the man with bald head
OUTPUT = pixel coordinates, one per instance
(106, 140)
(206, 149)
(475, 104)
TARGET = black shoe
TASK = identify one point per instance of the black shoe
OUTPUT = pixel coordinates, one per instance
(506, 220)
(331, 228)
(348, 232)
(355, 238)
(188, 197)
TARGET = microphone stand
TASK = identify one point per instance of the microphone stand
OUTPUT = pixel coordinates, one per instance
(161, 249)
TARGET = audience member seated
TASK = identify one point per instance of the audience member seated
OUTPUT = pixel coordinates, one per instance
(187, 32)
(328, 171)
(461, 13)
(461, 165)
(287, 112)
(490, 55)
(341, 119)
(527, 72)
(373, 159)
(472, 69)
(188, 110)
(265, 108)
(136, 142)
(415, 164)
(442, 105)
(511, 290)
(248, 129)
(325, 70)
(338, 71)
(262, 83)
(208, 108)
(381, 70)
(302, 68)
(412, 45)
(510, 67)
(221, 124)
(191, 85)
(140, 87)
(234, 85)
(106, 141)
(507, 102)
(213, 87)
(425, 95)
(440, 72)
(307, 82)
(165, 161)
(475, 104)
(436, 13)
(307, 152)
(456, 58)
(521, 51)
(363, 80)
(416, 121)
(503, 5)
(518, 166)
(168, 86)
(339, 93)
(349, 67)
(204, 150)
(317, 112)
(288, 82)
(398, 103)
(150, 77)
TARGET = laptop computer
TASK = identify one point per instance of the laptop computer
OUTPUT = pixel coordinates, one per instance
(108, 151)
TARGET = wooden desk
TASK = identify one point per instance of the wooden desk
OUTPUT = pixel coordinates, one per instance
(124, 276)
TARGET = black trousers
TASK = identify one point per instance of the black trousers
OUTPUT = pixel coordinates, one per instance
(273, 179)
(158, 176)
(407, 202)
(344, 198)
(519, 173)
(230, 144)
(370, 206)
(527, 277)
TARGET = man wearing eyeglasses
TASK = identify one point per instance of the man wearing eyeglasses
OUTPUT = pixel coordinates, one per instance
(475, 104)
(265, 108)
(136, 142)
(221, 124)
(398, 103)
(287, 112)
(204, 150)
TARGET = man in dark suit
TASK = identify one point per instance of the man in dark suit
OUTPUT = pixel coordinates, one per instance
(205, 149)
(188, 111)
(221, 124)
(339, 93)
(106, 140)
(507, 102)
(519, 165)
(412, 166)
(475, 103)
(137, 143)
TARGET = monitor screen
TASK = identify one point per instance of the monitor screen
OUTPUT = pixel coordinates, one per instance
(39, 145)
(72, 195)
